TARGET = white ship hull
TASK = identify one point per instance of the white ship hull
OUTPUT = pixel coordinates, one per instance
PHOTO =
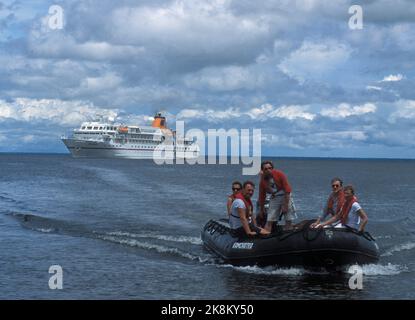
(100, 149)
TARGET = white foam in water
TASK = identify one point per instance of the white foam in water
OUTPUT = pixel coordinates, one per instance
(183, 239)
(383, 270)
(400, 247)
(155, 247)
(267, 270)
(383, 237)
(49, 230)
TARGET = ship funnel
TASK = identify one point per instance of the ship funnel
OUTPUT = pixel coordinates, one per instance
(159, 121)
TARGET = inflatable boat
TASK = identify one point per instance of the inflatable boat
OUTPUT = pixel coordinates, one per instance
(303, 246)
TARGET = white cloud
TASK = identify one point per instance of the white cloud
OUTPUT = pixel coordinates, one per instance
(373, 88)
(280, 140)
(292, 113)
(28, 138)
(355, 135)
(104, 82)
(327, 140)
(209, 115)
(224, 79)
(262, 113)
(60, 45)
(315, 61)
(64, 113)
(392, 78)
(345, 110)
(188, 27)
(405, 110)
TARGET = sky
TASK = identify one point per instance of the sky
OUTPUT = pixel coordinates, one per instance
(297, 69)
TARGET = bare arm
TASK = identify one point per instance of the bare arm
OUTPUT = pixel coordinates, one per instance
(251, 214)
(330, 221)
(364, 219)
(229, 205)
(244, 221)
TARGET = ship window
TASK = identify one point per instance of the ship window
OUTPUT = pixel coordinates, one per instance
(83, 128)
(100, 128)
(95, 128)
(89, 128)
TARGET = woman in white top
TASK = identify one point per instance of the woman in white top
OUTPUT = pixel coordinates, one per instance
(351, 214)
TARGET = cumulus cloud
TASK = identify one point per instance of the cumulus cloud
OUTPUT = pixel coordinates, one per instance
(224, 79)
(345, 110)
(64, 113)
(292, 113)
(405, 110)
(63, 46)
(190, 29)
(392, 78)
(315, 60)
(292, 68)
(327, 140)
(104, 82)
(261, 113)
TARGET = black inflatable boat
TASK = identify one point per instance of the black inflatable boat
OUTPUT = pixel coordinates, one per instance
(327, 247)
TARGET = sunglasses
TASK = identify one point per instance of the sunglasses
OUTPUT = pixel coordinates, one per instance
(236, 189)
(335, 186)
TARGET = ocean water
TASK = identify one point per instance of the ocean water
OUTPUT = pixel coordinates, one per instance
(128, 229)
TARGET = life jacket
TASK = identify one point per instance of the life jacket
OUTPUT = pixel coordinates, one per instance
(247, 202)
(340, 202)
(280, 180)
(344, 211)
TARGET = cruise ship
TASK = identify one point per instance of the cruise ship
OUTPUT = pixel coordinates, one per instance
(105, 139)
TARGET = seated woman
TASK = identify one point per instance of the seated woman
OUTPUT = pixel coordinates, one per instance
(236, 187)
(351, 214)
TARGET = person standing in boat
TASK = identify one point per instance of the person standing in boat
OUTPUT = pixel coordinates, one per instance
(236, 188)
(351, 214)
(334, 203)
(274, 186)
(240, 219)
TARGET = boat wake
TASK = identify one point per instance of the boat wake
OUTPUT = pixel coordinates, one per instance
(182, 239)
(383, 270)
(399, 248)
(269, 270)
(138, 243)
(368, 270)
(183, 246)
(189, 247)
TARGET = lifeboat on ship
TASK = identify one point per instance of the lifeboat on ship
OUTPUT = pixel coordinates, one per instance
(123, 129)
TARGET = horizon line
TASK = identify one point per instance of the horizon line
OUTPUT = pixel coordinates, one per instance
(262, 156)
